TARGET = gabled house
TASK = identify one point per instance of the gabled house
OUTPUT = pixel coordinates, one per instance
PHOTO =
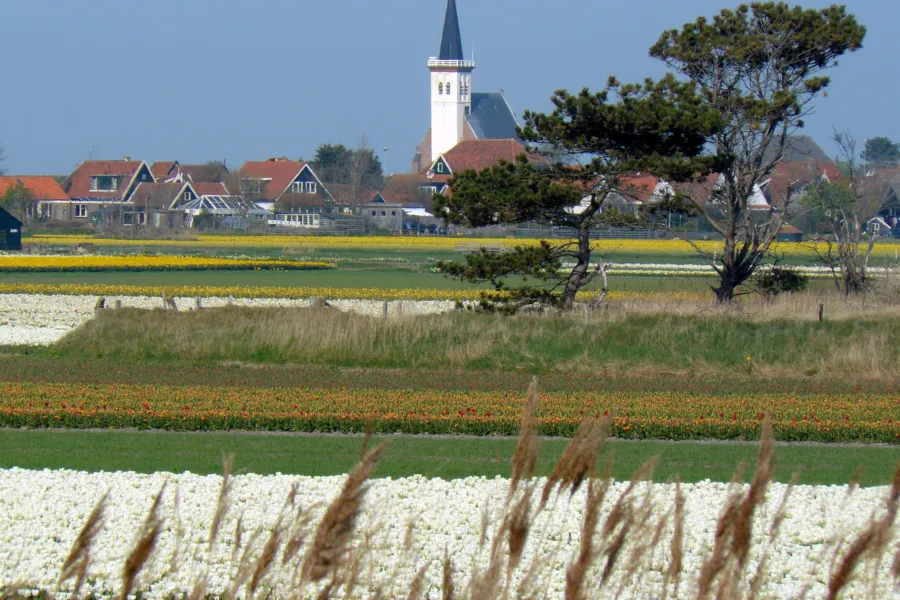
(637, 190)
(414, 190)
(284, 186)
(99, 184)
(155, 204)
(477, 155)
(47, 200)
(791, 180)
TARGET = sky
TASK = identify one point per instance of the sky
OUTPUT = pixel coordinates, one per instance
(236, 80)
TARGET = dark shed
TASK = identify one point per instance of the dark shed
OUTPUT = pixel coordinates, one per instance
(10, 232)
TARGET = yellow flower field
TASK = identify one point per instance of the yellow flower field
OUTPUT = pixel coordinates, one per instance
(147, 263)
(425, 243)
(75, 289)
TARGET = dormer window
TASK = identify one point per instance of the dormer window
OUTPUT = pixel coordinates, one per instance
(104, 183)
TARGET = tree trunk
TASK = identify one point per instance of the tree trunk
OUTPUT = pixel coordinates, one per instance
(576, 277)
(725, 291)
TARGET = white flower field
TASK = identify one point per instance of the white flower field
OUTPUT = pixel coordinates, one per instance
(41, 514)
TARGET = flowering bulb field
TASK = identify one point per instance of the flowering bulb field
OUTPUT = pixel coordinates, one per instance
(788, 249)
(672, 415)
(37, 264)
(252, 536)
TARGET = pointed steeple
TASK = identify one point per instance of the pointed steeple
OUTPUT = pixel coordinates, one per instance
(451, 41)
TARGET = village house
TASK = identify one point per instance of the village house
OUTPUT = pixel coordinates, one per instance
(98, 191)
(10, 232)
(42, 193)
(287, 187)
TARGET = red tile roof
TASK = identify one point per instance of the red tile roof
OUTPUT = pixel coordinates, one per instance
(280, 172)
(156, 195)
(209, 189)
(637, 188)
(78, 184)
(792, 175)
(405, 188)
(162, 169)
(41, 188)
(350, 195)
(476, 155)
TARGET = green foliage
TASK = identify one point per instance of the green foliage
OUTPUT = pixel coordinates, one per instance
(780, 280)
(759, 67)
(881, 151)
(18, 201)
(660, 126)
(335, 163)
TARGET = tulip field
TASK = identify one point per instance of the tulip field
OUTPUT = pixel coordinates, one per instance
(670, 415)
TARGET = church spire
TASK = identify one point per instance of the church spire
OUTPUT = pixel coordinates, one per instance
(451, 41)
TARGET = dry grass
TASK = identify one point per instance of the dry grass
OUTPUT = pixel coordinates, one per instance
(627, 339)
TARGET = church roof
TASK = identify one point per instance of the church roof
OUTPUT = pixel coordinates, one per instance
(491, 117)
(451, 41)
(800, 148)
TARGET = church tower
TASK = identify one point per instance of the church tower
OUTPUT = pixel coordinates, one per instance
(451, 87)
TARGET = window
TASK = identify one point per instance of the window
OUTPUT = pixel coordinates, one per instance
(440, 167)
(374, 213)
(188, 196)
(448, 88)
(144, 176)
(104, 183)
(393, 213)
(310, 187)
(384, 213)
(297, 187)
(440, 88)
(468, 110)
(81, 211)
(252, 185)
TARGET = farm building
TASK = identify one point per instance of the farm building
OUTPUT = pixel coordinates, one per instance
(10, 232)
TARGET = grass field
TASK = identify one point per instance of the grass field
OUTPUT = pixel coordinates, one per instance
(446, 458)
(617, 343)
(358, 275)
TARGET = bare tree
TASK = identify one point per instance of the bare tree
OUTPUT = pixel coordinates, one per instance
(843, 207)
(2, 158)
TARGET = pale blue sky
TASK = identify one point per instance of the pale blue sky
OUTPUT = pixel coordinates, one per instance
(196, 80)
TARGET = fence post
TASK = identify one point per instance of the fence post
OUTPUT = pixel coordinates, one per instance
(101, 304)
(585, 311)
(198, 302)
(821, 312)
(119, 304)
(385, 311)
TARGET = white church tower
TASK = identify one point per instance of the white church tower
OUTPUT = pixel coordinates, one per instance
(451, 87)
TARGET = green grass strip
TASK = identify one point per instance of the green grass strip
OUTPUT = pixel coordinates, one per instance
(448, 458)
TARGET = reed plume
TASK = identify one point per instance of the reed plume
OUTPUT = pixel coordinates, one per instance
(334, 534)
(144, 547)
(79, 558)
(526, 453)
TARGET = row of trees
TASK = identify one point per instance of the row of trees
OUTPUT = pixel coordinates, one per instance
(741, 84)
